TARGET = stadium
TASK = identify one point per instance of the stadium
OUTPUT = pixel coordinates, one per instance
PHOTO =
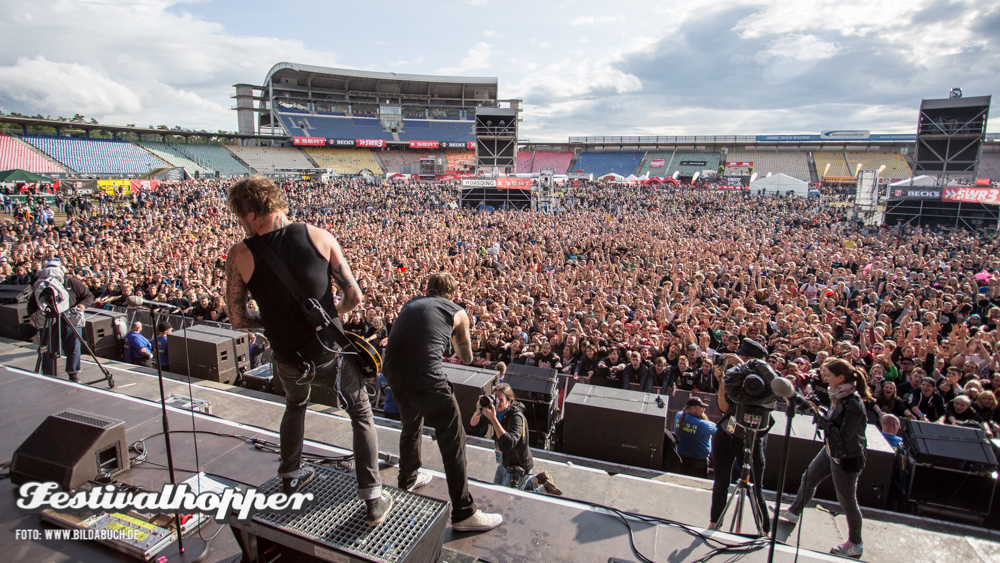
(608, 280)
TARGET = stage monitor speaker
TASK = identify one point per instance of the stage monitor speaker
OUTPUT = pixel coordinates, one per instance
(15, 323)
(536, 388)
(241, 343)
(99, 330)
(615, 425)
(951, 447)
(873, 483)
(944, 490)
(71, 448)
(202, 355)
(470, 382)
(14, 293)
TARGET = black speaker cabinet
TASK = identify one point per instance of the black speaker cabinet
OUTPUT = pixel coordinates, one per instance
(536, 388)
(943, 489)
(201, 355)
(15, 323)
(241, 343)
(951, 447)
(615, 425)
(873, 483)
(470, 382)
(260, 379)
(14, 293)
(99, 331)
(71, 448)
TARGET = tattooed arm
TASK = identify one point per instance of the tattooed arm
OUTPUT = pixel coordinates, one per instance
(236, 288)
(340, 271)
(460, 337)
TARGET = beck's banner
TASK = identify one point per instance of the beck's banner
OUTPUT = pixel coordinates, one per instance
(370, 143)
(513, 183)
(989, 196)
(340, 142)
(453, 145)
(309, 141)
(423, 144)
(657, 163)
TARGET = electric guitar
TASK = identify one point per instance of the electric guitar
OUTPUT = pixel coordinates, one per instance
(369, 360)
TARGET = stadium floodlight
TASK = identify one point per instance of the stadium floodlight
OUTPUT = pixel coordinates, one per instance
(955, 93)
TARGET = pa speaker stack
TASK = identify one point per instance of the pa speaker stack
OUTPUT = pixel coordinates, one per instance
(208, 353)
(101, 330)
(469, 383)
(10, 294)
(15, 323)
(536, 388)
(615, 425)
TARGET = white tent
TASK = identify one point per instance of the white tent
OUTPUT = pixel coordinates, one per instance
(612, 177)
(780, 184)
(917, 182)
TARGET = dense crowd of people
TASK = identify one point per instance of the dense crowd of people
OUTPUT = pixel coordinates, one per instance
(624, 285)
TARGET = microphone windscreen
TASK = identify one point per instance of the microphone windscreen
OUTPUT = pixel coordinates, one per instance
(782, 387)
(134, 300)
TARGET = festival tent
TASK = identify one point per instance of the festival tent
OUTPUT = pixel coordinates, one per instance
(23, 177)
(612, 177)
(781, 184)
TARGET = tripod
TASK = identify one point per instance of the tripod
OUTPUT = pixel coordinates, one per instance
(743, 491)
(54, 322)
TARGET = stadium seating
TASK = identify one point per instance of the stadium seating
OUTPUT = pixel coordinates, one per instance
(168, 154)
(989, 165)
(436, 130)
(838, 165)
(460, 161)
(522, 161)
(334, 127)
(601, 163)
(96, 156)
(214, 157)
(558, 160)
(394, 159)
(896, 166)
(345, 161)
(667, 156)
(16, 154)
(794, 164)
(268, 160)
(710, 159)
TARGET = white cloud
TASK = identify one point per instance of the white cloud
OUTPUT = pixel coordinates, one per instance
(477, 58)
(491, 33)
(65, 88)
(592, 20)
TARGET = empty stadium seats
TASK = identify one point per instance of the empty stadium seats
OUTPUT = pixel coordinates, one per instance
(522, 161)
(661, 169)
(214, 157)
(393, 159)
(896, 166)
(558, 160)
(838, 165)
(166, 153)
(345, 161)
(340, 127)
(690, 163)
(16, 154)
(794, 164)
(989, 165)
(601, 163)
(96, 156)
(268, 160)
(436, 130)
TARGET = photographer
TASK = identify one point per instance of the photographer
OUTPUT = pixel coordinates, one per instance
(510, 433)
(79, 298)
(728, 441)
(843, 458)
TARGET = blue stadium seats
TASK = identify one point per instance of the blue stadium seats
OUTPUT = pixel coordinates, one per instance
(94, 156)
(213, 156)
(334, 127)
(601, 163)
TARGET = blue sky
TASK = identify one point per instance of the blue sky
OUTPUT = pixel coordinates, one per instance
(581, 67)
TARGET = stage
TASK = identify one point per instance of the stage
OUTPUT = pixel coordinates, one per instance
(536, 528)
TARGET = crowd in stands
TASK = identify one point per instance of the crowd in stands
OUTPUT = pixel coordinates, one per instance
(677, 277)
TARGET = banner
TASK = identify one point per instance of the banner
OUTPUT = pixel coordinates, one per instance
(872, 137)
(916, 192)
(309, 141)
(453, 145)
(471, 145)
(657, 163)
(112, 187)
(513, 183)
(478, 183)
(423, 144)
(972, 195)
(140, 185)
(739, 164)
(694, 163)
(370, 143)
(844, 135)
(340, 142)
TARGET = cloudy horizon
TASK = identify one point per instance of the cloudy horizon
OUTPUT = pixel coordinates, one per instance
(671, 68)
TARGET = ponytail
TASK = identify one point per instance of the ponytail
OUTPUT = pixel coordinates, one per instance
(851, 374)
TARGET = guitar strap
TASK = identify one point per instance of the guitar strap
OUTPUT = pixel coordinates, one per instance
(258, 247)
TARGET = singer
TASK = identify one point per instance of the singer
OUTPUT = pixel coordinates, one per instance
(843, 458)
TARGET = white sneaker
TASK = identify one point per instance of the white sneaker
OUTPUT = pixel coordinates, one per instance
(423, 479)
(478, 522)
(790, 516)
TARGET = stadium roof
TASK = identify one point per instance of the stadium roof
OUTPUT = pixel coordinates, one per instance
(371, 75)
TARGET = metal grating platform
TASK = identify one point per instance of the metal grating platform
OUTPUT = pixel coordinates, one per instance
(337, 518)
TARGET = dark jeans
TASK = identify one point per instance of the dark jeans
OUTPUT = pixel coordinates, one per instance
(436, 407)
(646, 383)
(844, 483)
(727, 459)
(70, 347)
(350, 383)
(694, 467)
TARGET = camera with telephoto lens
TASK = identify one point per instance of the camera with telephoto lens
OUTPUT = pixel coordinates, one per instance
(488, 401)
(749, 384)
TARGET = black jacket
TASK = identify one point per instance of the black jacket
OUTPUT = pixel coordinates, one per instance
(845, 428)
(513, 445)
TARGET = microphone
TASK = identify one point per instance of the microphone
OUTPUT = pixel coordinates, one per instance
(138, 301)
(784, 388)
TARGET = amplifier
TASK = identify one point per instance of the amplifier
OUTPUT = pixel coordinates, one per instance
(241, 342)
(260, 379)
(201, 355)
(99, 330)
(536, 388)
(15, 323)
(14, 293)
(875, 478)
(942, 489)
(71, 448)
(469, 383)
(615, 425)
(947, 446)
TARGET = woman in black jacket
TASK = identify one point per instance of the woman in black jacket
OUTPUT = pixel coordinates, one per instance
(510, 434)
(843, 458)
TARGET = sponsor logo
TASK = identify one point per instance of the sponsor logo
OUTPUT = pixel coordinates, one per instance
(739, 164)
(471, 145)
(340, 142)
(514, 183)
(845, 134)
(972, 195)
(656, 163)
(309, 141)
(375, 143)
(423, 144)
(693, 163)
(454, 145)
(478, 183)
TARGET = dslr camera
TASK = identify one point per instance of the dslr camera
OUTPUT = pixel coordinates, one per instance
(488, 401)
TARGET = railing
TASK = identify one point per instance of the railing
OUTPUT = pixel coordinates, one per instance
(666, 140)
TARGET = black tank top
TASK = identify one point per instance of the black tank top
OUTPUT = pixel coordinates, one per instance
(420, 335)
(282, 316)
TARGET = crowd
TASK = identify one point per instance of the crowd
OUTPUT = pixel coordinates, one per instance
(625, 285)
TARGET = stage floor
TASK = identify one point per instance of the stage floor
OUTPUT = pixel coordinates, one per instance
(536, 528)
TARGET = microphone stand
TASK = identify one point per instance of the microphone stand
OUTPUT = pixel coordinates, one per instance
(789, 413)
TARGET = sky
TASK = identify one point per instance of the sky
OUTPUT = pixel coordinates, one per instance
(713, 67)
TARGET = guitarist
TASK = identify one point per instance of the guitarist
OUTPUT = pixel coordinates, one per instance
(314, 258)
